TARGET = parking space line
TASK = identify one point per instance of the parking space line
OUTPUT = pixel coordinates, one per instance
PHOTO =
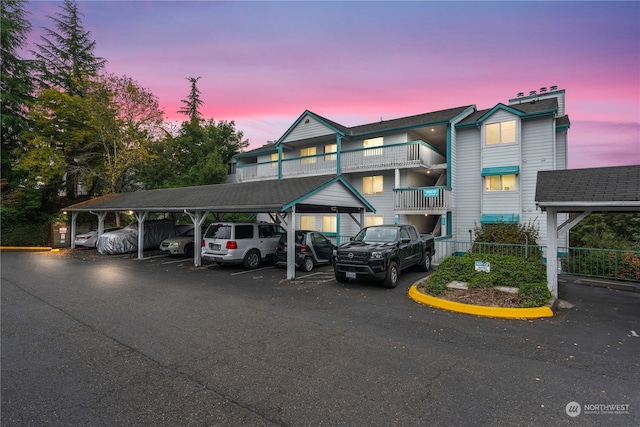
(250, 271)
(174, 261)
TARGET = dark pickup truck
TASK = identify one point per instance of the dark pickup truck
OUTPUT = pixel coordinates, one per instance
(381, 252)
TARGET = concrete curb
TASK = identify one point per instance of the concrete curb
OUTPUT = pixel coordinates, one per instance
(507, 313)
(26, 248)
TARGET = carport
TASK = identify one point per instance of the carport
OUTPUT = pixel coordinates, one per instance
(582, 192)
(282, 199)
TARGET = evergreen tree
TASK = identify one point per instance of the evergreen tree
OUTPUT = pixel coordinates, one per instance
(193, 102)
(66, 62)
(16, 87)
(66, 56)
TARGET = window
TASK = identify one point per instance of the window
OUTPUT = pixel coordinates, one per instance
(500, 133)
(330, 148)
(370, 143)
(308, 152)
(372, 184)
(500, 183)
(329, 224)
(274, 160)
(307, 222)
(373, 220)
(244, 232)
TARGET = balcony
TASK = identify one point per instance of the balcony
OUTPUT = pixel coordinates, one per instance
(406, 155)
(431, 200)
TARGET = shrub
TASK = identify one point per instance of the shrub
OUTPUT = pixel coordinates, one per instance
(526, 274)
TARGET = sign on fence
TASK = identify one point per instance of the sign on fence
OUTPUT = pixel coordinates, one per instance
(431, 192)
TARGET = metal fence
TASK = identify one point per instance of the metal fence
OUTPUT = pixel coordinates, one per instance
(607, 264)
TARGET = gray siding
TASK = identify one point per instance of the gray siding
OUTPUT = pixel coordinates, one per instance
(312, 129)
(468, 183)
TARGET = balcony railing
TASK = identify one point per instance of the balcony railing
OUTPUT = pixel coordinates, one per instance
(435, 200)
(409, 154)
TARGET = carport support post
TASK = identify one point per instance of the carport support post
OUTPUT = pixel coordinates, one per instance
(291, 245)
(74, 219)
(141, 216)
(197, 218)
(552, 251)
(101, 216)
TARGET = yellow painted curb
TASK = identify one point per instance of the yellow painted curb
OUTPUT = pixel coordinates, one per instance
(478, 310)
(26, 248)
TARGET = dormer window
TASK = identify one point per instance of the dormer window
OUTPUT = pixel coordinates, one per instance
(500, 133)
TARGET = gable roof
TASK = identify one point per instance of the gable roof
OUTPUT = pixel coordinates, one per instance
(257, 196)
(525, 109)
(604, 189)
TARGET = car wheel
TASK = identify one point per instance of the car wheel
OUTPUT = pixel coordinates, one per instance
(341, 278)
(425, 265)
(391, 281)
(251, 260)
(308, 264)
(188, 251)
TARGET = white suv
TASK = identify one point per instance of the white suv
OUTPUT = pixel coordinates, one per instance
(246, 243)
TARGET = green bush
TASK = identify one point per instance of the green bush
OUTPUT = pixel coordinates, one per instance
(526, 274)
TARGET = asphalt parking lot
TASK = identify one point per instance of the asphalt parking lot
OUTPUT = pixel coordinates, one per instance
(112, 340)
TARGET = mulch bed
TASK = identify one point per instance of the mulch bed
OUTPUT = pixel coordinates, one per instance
(488, 297)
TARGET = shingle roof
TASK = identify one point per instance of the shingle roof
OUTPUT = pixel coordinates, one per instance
(612, 188)
(257, 196)
(425, 119)
(527, 108)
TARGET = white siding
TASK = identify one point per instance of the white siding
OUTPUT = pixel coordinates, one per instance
(468, 183)
(335, 195)
(395, 139)
(382, 203)
(304, 130)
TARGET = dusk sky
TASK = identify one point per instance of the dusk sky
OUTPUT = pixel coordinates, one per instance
(263, 63)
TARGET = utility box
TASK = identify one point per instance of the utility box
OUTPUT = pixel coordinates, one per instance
(61, 235)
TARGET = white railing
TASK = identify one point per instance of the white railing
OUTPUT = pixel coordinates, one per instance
(320, 164)
(256, 172)
(422, 199)
(410, 154)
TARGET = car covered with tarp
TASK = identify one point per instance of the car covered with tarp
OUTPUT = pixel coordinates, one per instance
(125, 240)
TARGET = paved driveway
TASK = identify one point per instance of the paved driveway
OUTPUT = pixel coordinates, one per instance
(117, 341)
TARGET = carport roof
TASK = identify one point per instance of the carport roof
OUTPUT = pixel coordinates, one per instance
(258, 196)
(601, 189)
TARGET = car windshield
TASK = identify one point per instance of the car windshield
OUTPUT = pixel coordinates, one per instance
(299, 237)
(377, 235)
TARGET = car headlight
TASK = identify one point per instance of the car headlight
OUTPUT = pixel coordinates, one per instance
(377, 255)
(174, 245)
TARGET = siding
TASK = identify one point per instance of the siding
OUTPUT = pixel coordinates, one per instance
(468, 183)
(383, 203)
(308, 130)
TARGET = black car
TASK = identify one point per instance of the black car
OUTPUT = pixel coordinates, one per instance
(312, 248)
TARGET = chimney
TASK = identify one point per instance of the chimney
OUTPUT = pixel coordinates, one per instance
(543, 90)
(533, 92)
(554, 88)
(520, 94)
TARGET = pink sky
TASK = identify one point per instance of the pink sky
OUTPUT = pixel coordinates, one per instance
(263, 63)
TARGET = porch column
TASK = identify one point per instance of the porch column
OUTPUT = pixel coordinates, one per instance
(552, 251)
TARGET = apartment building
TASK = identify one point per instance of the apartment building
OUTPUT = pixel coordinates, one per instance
(445, 171)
